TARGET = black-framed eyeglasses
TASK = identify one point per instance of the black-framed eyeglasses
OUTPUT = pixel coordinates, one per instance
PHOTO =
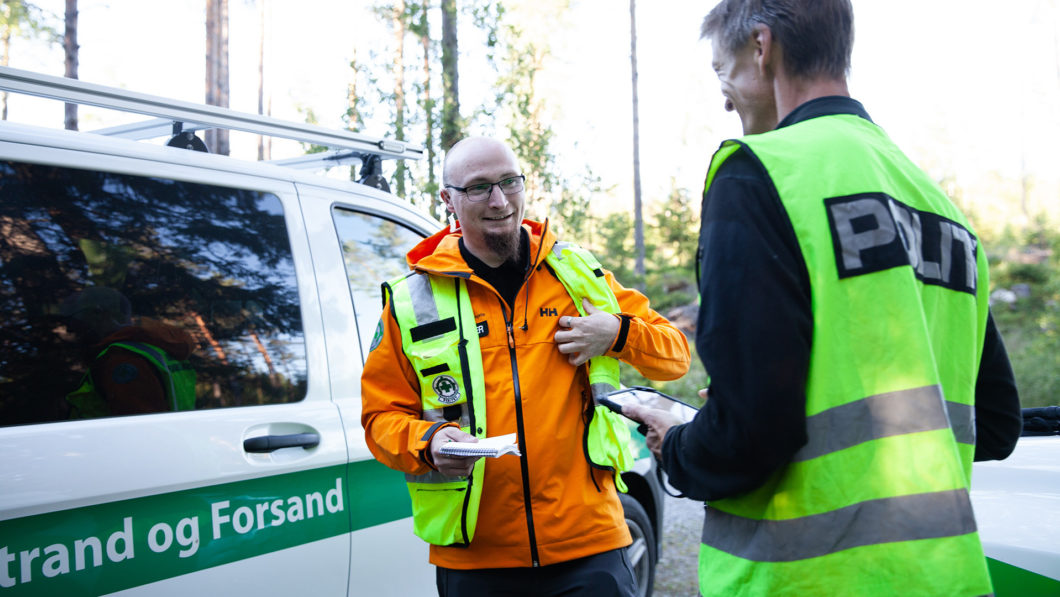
(480, 192)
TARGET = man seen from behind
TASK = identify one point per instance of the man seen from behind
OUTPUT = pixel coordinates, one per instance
(855, 369)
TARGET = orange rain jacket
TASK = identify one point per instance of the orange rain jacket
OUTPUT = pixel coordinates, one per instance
(563, 515)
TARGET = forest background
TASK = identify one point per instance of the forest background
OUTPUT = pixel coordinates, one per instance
(969, 89)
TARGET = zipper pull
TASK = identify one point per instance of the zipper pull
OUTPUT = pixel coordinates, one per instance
(511, 337)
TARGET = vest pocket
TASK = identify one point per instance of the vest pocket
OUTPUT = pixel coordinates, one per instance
(438, 511)
(607, 441)
(441, 376)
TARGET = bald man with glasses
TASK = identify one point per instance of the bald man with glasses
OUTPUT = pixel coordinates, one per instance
(501, 328)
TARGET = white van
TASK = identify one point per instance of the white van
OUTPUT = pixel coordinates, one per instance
(266, 486)
(1017, 510)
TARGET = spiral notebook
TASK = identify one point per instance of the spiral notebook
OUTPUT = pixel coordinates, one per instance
(491, 447)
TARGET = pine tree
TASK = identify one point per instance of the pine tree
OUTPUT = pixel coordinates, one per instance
(429, 188)
(263, 154)
(71, 50)
(452, 127)
(217, 69)
(399, 18)
(638, 217)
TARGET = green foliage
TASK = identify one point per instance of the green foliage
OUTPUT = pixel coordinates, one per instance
(516, 108)
(357, 109)
(676, 228)
(520, 107)
(572, 213)
(672, 238)
(615, 249)
(1025, 266)
(19, 18)
(487, 17)
(426, 68)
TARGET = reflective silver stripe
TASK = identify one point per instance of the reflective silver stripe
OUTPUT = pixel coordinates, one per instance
(962, 419)
(600, 389)
(557, 249)
(438, 414)
(422, 296)
(887, 520)
(432, 477)
(154, 352)
(875, 417)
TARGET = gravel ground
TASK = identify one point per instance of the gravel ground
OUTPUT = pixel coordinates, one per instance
(675, 574)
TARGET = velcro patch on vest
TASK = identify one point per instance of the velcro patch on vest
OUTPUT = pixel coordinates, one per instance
(873, 232)
(453, 413)
(432, 329)
(429, 371)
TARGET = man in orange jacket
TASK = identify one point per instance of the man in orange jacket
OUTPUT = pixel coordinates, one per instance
(548, 522)
(120, 381)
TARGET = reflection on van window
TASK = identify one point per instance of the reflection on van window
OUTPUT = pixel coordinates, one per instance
(373, 250)
(124, 295)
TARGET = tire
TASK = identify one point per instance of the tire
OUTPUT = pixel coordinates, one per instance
(642, 553)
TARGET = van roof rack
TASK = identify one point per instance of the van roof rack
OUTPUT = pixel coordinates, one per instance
(174, 117)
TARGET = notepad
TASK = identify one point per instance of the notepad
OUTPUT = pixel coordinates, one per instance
(491, 447)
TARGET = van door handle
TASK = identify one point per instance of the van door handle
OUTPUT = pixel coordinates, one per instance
(268, 443)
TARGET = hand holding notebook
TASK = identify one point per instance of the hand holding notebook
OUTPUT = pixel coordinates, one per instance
(491, 447)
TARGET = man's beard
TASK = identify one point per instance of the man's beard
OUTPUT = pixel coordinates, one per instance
(505, 245)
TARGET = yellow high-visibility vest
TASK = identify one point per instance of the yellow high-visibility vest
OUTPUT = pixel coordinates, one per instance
(440, 339)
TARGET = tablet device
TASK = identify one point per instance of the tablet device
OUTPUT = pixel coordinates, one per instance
(650, 398)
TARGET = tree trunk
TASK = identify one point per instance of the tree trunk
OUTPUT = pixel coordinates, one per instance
(428, 111)
(222, 77)
(399, 91)
(268, 140)
(217, 68)
(211, 59)
(638, 217)
(261, 73)
(5, 60)
(451, 129)
(353, 107)
(71, 47)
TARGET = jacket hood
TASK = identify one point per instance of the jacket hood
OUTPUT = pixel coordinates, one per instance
(440, 252)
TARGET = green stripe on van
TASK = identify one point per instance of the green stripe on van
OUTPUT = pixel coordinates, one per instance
(1013, 581)
(377, 495)
(118, 545)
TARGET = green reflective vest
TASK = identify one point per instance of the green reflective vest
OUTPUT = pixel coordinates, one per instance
(877, 501)
(440, 338)
(177, 377)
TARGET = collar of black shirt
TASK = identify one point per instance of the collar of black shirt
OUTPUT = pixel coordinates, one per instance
(825, 106)
(506, 278)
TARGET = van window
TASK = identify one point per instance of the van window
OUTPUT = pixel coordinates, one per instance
(373, 249)
(124, 294)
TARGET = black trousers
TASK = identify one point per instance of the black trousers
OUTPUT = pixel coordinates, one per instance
(607, 574)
